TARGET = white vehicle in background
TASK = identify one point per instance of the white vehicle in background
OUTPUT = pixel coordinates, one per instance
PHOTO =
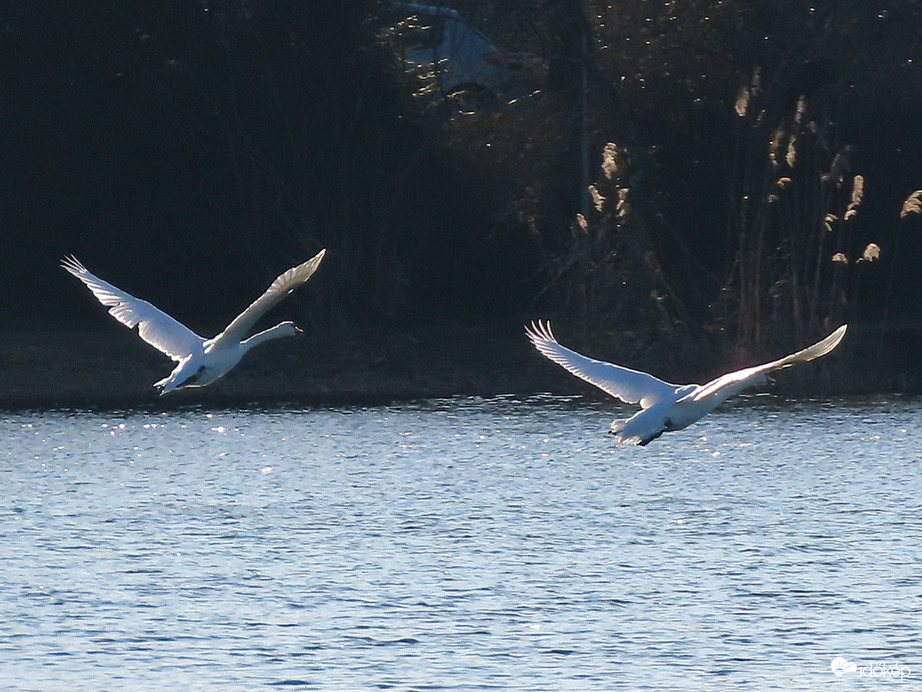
(449, 56)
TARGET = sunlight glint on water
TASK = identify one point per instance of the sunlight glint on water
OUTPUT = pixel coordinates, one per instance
(459, 544)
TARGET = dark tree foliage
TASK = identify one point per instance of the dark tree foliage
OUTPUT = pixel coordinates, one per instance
(762, 148)
(210, 135)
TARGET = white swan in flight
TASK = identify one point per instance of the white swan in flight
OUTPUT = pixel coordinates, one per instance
(664, 407)
(200, 361)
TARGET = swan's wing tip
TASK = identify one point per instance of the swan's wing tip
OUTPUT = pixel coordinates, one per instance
(838, 334)
(834, 339)
(306, 269)
(72, 264)
(314, 261)
(817, 350)
(539, 331)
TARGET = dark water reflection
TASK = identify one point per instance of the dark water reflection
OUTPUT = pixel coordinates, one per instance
(466, 544)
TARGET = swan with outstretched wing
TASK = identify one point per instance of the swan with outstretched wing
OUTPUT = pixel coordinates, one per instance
(664, 407)
(200, 361)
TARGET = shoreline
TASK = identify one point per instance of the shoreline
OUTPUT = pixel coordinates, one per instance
(110, 368)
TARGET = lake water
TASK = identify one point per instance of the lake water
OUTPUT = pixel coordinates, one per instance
(461, 544)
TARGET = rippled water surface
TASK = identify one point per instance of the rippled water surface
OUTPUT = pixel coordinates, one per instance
(461, 544)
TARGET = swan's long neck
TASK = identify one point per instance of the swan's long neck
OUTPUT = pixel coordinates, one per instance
(277, 332)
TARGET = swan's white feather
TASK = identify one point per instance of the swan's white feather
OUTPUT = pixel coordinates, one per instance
(630, 386)
(281, 287)
(821, 348)
(157, 328)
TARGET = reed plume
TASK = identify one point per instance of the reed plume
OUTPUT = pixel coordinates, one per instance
(611, 164)
(912, 205)
(598, 201)
(624, 208)
(857, 195)
(871, 253)
(793, 225)
(742, 102)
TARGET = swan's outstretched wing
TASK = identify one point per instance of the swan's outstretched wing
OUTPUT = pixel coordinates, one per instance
(154, 326)
(631, 386)
(281, 287)
(740, 377)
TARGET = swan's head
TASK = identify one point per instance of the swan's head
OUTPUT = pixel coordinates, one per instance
(282, 329)
(288, 329)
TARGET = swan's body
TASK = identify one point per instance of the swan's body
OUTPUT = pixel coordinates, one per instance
(664, 407)
(199, 361)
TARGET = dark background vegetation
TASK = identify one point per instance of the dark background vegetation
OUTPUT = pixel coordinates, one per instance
(189, 151)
